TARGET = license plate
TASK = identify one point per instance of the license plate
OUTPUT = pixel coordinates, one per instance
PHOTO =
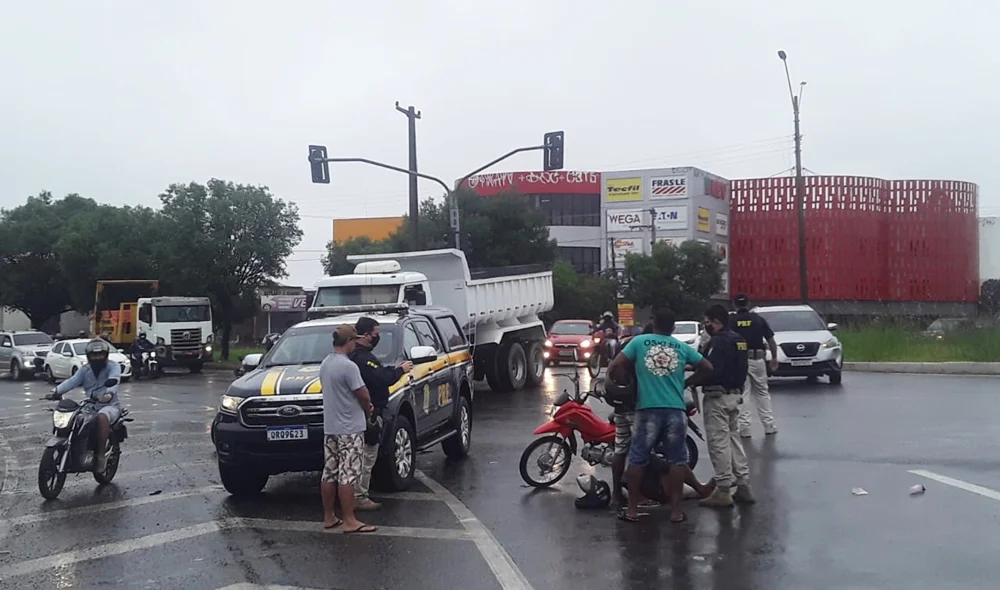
(279, 433)
(565, 353)
(806, 363)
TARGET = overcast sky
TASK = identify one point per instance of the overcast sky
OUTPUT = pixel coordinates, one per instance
(116, 100)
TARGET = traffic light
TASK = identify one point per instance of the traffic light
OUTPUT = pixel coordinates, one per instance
(318, 164)
(553, 150)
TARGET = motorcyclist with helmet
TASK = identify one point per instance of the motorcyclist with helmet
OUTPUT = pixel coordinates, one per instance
(93, 377)
(139, 346)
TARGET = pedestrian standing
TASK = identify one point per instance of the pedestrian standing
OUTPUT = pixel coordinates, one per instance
(346, 404)
(723, 392)
(759, 338)
(659, 361)
(378, 380)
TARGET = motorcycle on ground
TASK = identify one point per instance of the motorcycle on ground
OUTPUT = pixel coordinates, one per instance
(73, 445)
(550, 455)
(606, 346)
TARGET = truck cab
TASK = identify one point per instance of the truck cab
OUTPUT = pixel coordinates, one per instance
(180, 327)
(380, 282)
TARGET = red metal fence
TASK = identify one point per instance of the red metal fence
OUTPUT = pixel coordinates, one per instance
(867, 239)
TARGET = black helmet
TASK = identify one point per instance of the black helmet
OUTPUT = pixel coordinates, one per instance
(619, 394)
(596, 493)
(97, 352)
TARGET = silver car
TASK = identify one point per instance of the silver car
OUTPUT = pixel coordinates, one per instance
(22, 353)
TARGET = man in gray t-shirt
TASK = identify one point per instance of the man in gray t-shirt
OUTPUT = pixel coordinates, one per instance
(345, 406)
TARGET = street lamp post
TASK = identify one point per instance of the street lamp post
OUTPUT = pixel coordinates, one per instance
(800, 191)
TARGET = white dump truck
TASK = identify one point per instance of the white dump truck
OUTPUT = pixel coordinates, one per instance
(499, 307)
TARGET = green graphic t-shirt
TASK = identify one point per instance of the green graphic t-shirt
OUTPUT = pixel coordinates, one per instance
(659, 369)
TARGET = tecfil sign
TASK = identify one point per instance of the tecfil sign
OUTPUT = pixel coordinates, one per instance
(625, 220)
(668, 187)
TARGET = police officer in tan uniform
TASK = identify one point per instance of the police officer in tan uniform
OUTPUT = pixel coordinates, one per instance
(759, 337)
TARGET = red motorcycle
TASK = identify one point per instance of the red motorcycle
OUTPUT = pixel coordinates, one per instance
(559, 444)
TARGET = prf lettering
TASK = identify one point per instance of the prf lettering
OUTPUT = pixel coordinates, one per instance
(743, 323)
(741, 346)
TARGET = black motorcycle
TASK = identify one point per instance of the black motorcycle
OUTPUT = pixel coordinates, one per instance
(606, 347)
(73, 445)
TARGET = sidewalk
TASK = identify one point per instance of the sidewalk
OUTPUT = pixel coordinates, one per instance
(927, 368)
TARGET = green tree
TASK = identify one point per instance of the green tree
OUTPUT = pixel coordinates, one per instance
(683, 278)
(30, 269)
(335, 261)
(989, 296)
(579, 296)
(226, 240)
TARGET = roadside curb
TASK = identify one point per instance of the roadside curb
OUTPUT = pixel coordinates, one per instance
(956, 368)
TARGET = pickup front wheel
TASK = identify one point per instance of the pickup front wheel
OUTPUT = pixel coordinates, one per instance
(241, 482)
(458, 446)
(396, 466)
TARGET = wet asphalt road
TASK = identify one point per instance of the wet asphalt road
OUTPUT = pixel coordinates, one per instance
(166, 522)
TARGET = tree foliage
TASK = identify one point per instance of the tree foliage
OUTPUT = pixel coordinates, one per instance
(579, 296)
(501, 230)
(683, 277)
(989, 296)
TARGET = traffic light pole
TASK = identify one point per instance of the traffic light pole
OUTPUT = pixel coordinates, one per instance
(388, 167)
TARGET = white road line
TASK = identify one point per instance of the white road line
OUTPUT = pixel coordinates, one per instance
(9, 481)
(503, 567)
(957, 483)
(158, 539)
(419, 496)
(92, 508)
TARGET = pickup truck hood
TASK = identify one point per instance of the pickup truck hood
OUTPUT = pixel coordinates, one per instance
(295, 379)
(821, 336)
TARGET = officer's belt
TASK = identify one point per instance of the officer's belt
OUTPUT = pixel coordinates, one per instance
(719, 391)
(757, 354)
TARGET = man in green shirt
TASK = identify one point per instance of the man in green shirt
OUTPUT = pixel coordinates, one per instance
(659, 361)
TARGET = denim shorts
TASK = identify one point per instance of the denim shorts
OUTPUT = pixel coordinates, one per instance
(663, 429)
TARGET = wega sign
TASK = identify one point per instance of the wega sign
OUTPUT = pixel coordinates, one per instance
(625, 246)
(625, 219)
(668, 187)
(624, 189)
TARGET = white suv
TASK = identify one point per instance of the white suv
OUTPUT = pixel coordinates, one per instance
(806, 344)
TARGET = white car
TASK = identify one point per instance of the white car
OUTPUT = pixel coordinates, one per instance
(67, 357)
(688, 332)
(806, 344)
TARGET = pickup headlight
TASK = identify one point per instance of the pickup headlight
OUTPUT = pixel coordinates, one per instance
(832, 343)
(230, 403)
(60, 420)
(586, 344)
(28, 353)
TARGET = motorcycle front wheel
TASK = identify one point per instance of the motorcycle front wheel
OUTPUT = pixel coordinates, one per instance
(50, 481)
(692, 449)
(594, 364)
(551, 464)
(109, 472)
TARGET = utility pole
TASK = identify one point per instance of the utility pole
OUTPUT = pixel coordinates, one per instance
(800, 190)
(651, 226)
(412, 114)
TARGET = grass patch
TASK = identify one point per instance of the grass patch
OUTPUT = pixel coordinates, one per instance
(235, 354)
(884, 344)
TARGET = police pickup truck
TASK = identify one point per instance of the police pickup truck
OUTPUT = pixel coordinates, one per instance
(270, 420)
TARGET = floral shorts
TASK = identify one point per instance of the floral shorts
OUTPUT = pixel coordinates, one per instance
(342, 458)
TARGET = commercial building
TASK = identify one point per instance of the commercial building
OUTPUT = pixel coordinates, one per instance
(376, 228)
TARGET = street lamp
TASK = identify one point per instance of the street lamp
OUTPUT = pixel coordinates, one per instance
(799, 181)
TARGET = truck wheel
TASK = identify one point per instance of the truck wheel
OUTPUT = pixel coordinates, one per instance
(240, 482)
(196, 367)
(15, 370)
(536, 365)
(458, 446)
(491, 373)
(512, 367)
(396, 466)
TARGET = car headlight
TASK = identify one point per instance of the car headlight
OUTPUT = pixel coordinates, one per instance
(230, 403)
(586, 344)
(548, 344)
(208, 348)
(152, 355)
(27, 353)
(60, 420)
(832, 343)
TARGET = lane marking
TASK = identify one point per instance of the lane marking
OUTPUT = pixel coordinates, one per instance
(500, 562)
(105, 506)
(168, 470)
(419, 496)
(11, 468)
(957, 483)
(68, 558)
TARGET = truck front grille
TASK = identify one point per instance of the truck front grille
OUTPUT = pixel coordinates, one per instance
(186, 340)
(274, 411)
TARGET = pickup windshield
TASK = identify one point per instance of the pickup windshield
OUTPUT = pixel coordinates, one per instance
(31, 339)
(309, 346)
(172, 314)
(356, 295)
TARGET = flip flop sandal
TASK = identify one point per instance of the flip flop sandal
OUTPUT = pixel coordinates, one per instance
(649, 504)
(679, 520)
(334, 525)
(367, 528)
(623, 516)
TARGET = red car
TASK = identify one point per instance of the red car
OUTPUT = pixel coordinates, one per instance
(569, 336)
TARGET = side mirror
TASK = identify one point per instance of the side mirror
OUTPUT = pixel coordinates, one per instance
(111, 383)
(832, 327)
(68, 353)
(423, 354)
(561, 399)
(6, 345)
(121, 350)
(251, 361)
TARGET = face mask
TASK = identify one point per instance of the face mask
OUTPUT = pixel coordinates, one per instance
(374, 339)
(710, 329)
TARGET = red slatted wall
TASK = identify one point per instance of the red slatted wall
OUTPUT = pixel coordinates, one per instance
(866, 239)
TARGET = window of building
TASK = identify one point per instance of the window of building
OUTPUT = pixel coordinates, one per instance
(571, 209)
(584, 259)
